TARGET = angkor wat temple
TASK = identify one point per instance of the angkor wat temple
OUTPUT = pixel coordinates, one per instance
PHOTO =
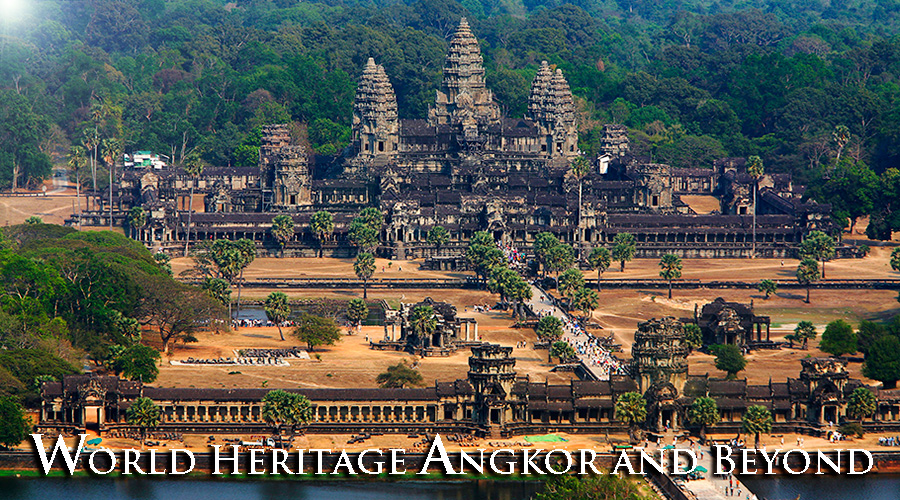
(493, 400)
(467, 167)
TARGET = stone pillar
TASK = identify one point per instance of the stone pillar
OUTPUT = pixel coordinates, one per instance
(467, 331)
(476, 331)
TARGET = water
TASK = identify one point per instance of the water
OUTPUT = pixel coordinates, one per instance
(167, 489)
(811, 487)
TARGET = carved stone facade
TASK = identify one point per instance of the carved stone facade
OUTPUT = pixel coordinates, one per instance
(450, 332)
(468, 168)
(723, 322)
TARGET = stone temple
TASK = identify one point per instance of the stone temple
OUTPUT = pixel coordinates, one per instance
(467, 167)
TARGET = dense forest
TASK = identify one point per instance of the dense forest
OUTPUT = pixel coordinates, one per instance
(811, 86)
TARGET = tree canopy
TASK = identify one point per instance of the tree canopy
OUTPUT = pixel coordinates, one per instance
(838, 338)
(729, 359)
(316, 331)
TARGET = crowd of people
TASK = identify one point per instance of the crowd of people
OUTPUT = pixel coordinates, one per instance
(257, 323)
(589, 348)
(291, 352)
(263, 361)
(889, 441)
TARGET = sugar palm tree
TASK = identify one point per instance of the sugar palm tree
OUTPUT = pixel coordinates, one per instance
(756, 170)
(757, 419)
(112, 150)
(322, 225)
(364, 267)
(423, 322)
(193, 166)
(631, 410)
(145, 414)
(282, 230)
(278, 309)
(579, 168)
(77, 161)
(670, 269)
(137, 218)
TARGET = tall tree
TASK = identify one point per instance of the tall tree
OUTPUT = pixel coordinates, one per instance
(177, 310)
(883, 361)
(438, 236)
(756, 170)
(624, 248)
(730, 360)
(586, 301)
(278, 309)
(569, 283)
(805, 331)
(282, 408)
(580, 168)
(670, 269)
(282, 230)
(137, 362)
(767, 287)
(316, 331)
(807, 274)
(895, 259)
(818, 246)
(862, 403)
(112, 151)
(703, 412)
(145, 414)
(399, 376)
(631, 410)
(599, 259)
(364, 267)
(322, 225)
(757, 419)
(549, 328)
(14, 422)
(76, 163)
(357, 311)
(137, 219)
(193, 166)
(21, 133)
(543, 242)
(838, 338)
(560, 258)
(423, 321)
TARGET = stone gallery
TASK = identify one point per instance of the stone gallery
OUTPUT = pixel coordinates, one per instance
(468, 168)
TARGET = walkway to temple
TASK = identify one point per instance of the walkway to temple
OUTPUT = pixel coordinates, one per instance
(595, 358)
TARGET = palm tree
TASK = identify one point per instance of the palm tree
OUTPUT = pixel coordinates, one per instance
(586, 300)
(423, 321)
(90, 141)
(278, 309)
(807, 273)
(579, 168)
(77, 161)
(322, 225)
(631, 409)
(841, 137)
(282, 230)
(137, 218)
(112, 150)
(704, 412)
(670, 269)
(193, 166)
(756, 170)
(599, 259)
(282, 408)
(364, 267)
(145, 414)
(757, 420)
(624, 248)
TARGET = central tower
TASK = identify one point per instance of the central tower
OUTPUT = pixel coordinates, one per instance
(463, 98)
